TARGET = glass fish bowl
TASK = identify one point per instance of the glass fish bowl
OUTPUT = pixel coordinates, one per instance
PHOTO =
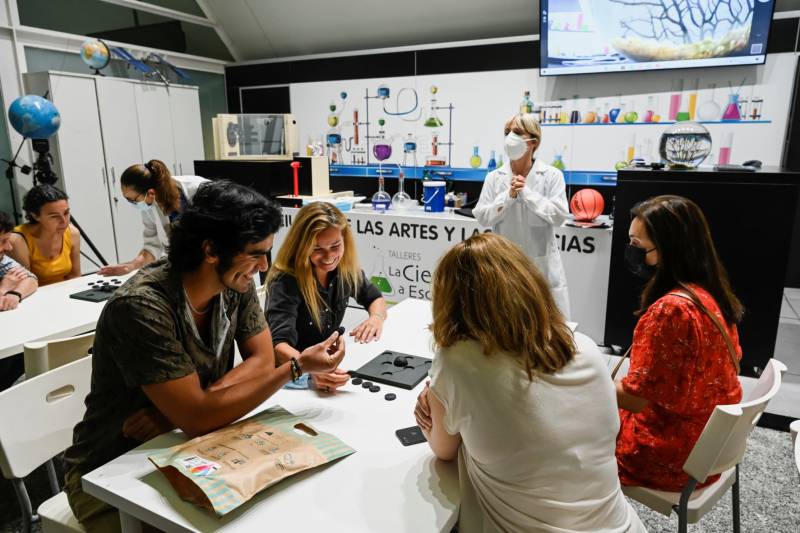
(685, 145)
(653, 31)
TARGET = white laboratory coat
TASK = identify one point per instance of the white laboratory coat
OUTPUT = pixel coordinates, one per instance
(529, 219)
(156, 222)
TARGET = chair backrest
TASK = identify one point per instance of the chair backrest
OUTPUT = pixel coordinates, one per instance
(724, 439)
(38, 415)
(41, 356)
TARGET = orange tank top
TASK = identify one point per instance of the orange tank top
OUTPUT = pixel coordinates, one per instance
(48, 270)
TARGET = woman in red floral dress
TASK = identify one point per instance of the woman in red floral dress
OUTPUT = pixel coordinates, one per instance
(680, 367)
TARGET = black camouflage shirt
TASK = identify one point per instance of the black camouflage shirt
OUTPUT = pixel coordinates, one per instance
(145, 335)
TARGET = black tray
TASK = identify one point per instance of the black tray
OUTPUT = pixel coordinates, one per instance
(382, 369)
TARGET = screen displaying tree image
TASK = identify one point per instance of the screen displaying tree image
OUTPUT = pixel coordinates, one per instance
(584, 36)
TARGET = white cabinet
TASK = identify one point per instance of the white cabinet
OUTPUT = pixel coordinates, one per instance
(108, 124)
(152, 106)
(186, 128)
(77, 152)
(116, 102)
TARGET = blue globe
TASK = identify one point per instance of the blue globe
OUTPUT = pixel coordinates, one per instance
(34, 117)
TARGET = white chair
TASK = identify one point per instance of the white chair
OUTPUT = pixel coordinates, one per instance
(38, 417)
(41, 356)
(794, 428)
(719, 450)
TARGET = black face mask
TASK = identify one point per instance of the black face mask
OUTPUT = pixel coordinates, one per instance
(634, 259)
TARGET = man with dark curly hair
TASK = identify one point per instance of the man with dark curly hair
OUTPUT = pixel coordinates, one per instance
(163, 349)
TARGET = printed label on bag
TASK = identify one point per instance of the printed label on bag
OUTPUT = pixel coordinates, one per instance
(199, 466)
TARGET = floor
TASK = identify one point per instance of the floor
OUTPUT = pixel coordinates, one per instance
(787, 350)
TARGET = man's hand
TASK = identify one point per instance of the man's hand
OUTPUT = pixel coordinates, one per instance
(8, 302)
(422, 411)
(323, 357)
(517, 184)
(115, 270)
(146, 424)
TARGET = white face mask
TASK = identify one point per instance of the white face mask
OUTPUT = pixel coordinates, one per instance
(142, 206)
(516, 146)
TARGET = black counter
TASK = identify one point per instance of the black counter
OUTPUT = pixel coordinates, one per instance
(752, 216)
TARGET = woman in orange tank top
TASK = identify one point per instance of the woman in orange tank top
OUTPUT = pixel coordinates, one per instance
(48, 245)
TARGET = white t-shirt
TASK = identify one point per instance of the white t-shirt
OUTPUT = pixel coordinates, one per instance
(535, 455)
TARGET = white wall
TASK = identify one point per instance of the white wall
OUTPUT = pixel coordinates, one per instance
(483, 101)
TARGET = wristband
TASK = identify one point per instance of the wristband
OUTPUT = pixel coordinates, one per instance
(294, 366)
(15, 293)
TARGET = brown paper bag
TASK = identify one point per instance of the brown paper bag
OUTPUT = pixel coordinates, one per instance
(222, 470)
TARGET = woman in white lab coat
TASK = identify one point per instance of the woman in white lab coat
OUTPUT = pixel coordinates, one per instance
(161, 198)
(525, 200)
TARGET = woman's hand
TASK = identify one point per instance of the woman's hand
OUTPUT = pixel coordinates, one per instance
(116, 270)
(369, 330)
(146, 424)
(517, 184)
(13, 278)
(422, 411)
(329, 382)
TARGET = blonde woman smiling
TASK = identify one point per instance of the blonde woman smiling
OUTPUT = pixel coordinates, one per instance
(314, 275)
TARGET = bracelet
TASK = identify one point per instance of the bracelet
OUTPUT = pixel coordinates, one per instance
(15, 293)
(379, 315)
(294, 366)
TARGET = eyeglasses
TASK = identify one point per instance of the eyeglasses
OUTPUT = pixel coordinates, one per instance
(136, 200)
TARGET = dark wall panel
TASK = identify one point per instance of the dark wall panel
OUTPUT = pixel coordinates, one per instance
(505, 56)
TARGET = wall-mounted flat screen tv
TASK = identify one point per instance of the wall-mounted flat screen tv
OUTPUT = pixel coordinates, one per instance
(586, 36)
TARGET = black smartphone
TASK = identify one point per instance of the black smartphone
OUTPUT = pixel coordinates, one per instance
(409, 436)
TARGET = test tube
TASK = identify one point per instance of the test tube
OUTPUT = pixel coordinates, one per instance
(725, 150)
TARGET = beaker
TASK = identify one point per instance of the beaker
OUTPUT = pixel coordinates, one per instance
(709, 110)
(693, 99)
(725, 150)
(732, 109)
(755, 107)
(401, 200)
(492, 164)
(475, 161)
(410, 150)
(381, 199)
(675, 99)
(433, 121)
(335, 147)
(648, 114)
(382, 151)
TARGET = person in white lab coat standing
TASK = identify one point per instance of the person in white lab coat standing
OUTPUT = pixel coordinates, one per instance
(161, 198)
(524, 200)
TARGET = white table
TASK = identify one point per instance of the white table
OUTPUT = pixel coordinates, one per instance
(49, 313)
(383, 487)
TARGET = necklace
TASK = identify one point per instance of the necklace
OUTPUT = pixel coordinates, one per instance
(192, 308)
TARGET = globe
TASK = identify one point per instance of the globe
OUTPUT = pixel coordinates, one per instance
(94, 53)
(34, 117)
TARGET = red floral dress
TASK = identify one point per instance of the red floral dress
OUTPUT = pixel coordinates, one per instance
(681, 364)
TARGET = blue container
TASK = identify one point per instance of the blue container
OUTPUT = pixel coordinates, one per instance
(433, 196)
(334, 139)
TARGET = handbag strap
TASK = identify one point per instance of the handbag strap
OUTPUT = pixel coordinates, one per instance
(692, 297)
